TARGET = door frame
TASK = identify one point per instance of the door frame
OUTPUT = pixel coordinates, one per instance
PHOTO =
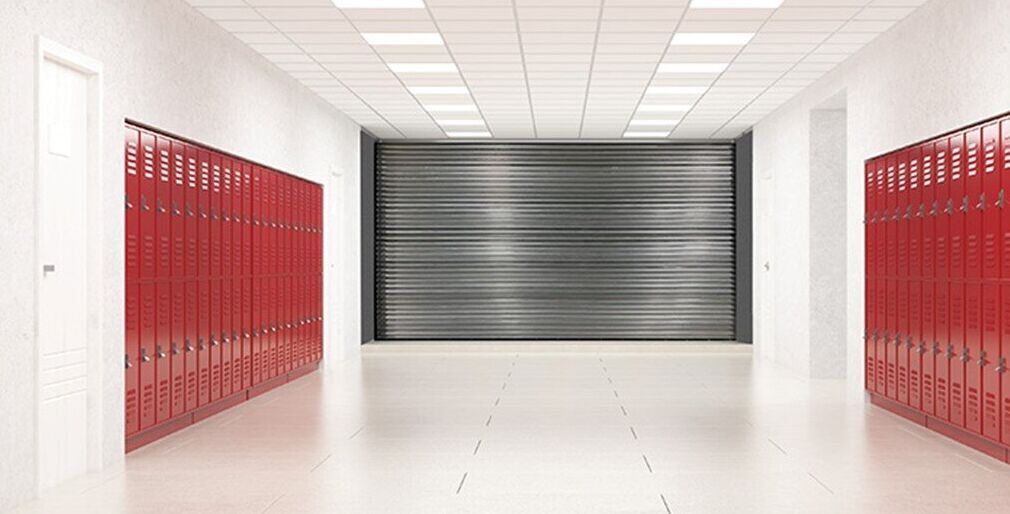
(48, 50)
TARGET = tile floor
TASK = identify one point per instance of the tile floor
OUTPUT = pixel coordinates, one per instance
(514, 429)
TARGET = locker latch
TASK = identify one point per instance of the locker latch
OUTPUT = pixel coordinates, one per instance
(128, 363)
(908, 212)
(161, 207)
(896, 215)
(144, 357)
(234, 336)
(175, 208)
(936, 347)
(922, 348)
(950, 207)
(200, 344)
(922, 211)
(981, 202)
(128, 204)
(203, 214)
(245, 335)
(189, 211)
(1001, 367)
(158, 352)
(224, 338)
(999, 199)
(213, 342)
(935, 209)
(143, 204)
(965, 356)
(910, 343)
(189, 345)
(175, 349)
(950, 351)
(981, 359)
(964, 204)
(213, 214)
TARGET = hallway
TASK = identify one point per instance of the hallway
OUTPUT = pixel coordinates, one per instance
(551, 428)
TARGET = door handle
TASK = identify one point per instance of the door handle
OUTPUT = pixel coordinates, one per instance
(159, 353)
(128, 363)
(981, 202)
(965, 357)
(1001, 367)
(189, 345)
(175, 349)
(144, 357)
(981, 360)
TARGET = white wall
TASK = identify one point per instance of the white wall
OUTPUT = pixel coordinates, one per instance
(943, 67)
(167, 66)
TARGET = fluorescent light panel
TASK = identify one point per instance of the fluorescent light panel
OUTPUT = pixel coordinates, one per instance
(451, 108)
(712, 38)
(654, 123)
(692, 67)
(736, 4)
(664, 108)
(647, 134)
(438, 90)
(402, 38)
(460, 123)
(423, 67)
(379, 4)
(676, 90)
(479, 133)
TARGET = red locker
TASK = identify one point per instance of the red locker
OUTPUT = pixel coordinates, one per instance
(162, 341)
(215, 216)
(176, 211)
(270, 313)
(148, 222)
(903, 217)
(999, 364)
(224, 334)
(972, 351)
(162, 277)
(988, 360)
(916, 213)
(189, 343)
(961, 204)
(930, 348)
(162, 205)
(991, 203)
(203, 204)
(916, 345)
(132, 293)
(213, 337)
(944, 352)
(941, 194)
(190, 213)
(973, 230)
(1004, 166)
(202, 343)
(227, 192)
(148, 321)
(957, 362)
(178, 274)
(175, 349)
(902, 340)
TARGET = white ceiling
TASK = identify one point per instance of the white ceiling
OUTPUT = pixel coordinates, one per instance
(556, 68)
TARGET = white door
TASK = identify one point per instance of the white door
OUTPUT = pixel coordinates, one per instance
(62, 246)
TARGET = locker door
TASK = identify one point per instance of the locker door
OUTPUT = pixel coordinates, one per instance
(190, 213)
(931, 344)
(235, 271)
(945, 203)
(215, 216)
(189, 348)
(162, 362)
(916, 346)
(178, 274)
(148, 321)
(976, 206)
(929, 348)
(882, 220)
(972, 349)
(903, 216)
(246, 266)
(959, 199)
(916, 212)
(176, 210)
(256, 210)
(162, 206)
(175, 349)
(163, 278)
(203, 204)
(132, 293)
(227, 294)
(213, 337)
(991, 203)
(224, 334)
(1003, 164)
(902, 340)
(1001, 364)
(148, 222)
(944, 352)
(988, 360)
(960, 355)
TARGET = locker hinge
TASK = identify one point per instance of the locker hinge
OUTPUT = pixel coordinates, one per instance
(981, 202)
(175, 349)
(950, 207)
(1001, 367)
(935, 209)
(965, 355)
(964, 204)
(981, 359)
(189, 345)
(159, 352)
(128, 363)
(1000, 200)
(128, 204)
(144, 357)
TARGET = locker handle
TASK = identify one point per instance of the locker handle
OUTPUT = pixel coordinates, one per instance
(1001, 368)
(950, 352)
(909, 342)
(964, 204)
(128, 204)
(175, 209)
(908, 212)
(213, 342)
(936, 348)
(203, 213)
(981, 202)
(224, 338)
(200, 344)
(922, 211)
(189, 211)
(189, 345)
(159, 353)
(1000, 200)
(950, 207)
(128, 363)
(144, 357)
(234, 336)
(213, 214)
(175, 349)
(143, 204)
(965, 357)
(933, 211)
(161, 207)
(922, 348)
(245, 335)
(981, 360)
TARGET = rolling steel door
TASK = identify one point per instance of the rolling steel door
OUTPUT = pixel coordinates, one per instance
(555, 241)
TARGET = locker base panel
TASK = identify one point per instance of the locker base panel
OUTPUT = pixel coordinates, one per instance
(171, 426)
(974, 441)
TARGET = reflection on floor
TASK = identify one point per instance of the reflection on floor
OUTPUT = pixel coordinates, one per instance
(548, 429)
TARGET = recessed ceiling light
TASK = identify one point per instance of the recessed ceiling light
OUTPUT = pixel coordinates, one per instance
(403, 38)
(664, 108)
(647, 134)
(736, 4)
(712, 38)
(676, 90)
(451, 108)
(655, 123)
(480, 133)
(379, 4)
(460, 123)
(692, 67)
(423, 67)
(438, 90)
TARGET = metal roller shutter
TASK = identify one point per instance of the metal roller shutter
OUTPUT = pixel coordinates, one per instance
(538, 240)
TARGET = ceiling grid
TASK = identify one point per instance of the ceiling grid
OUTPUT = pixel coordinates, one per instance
(556, 69)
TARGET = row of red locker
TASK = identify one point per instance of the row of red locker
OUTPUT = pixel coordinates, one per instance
(936, 210)
(194, 213)
(223, 276)
(190, 343)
